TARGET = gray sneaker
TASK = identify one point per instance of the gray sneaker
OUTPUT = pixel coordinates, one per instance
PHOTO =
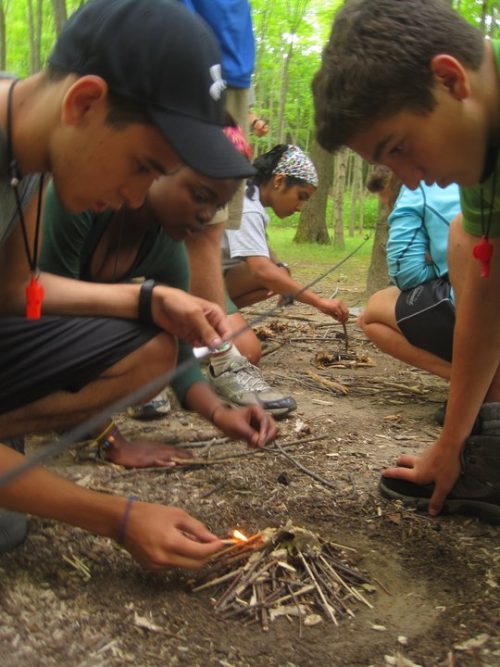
(156, 408)
(477, 490)
(241, 383)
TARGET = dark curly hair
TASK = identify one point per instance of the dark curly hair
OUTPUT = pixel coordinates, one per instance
(265, 165)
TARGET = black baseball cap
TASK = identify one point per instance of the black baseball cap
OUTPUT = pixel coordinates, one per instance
(160, 55)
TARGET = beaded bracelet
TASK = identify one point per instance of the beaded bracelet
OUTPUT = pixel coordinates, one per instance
(121, 531)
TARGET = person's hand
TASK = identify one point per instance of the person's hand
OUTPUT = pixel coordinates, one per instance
(336, 308)
(195, 320)
(159, 537)
(260, 127)
(438, 464)
(251, 423)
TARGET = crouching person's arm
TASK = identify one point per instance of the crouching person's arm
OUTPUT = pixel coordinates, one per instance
(157, 536)
(250, 423)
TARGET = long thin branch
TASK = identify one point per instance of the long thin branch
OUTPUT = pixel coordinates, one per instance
(305, 470)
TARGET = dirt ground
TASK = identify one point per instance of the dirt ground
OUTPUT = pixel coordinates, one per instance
(437, 599)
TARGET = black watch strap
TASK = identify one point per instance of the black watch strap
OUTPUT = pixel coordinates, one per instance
(145, 299)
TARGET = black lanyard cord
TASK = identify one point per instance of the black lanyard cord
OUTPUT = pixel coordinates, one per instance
(15, 178)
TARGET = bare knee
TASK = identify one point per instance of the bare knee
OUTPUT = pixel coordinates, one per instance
(159, 354)
(381, 308)
(147, 362)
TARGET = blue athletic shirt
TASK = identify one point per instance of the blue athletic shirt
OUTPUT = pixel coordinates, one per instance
(231, 21)
(419, 224)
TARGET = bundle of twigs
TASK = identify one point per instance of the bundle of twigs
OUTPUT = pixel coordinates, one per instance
(286, 571)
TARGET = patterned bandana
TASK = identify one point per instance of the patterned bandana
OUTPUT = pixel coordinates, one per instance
(294, 162)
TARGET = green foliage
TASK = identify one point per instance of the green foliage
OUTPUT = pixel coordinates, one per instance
(276, 27)
(17, 24)
(313, 258)
(369, 221)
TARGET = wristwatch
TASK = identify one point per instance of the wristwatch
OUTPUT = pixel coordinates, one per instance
(283, 265)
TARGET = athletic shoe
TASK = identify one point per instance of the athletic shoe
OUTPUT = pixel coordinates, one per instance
(440, 414)
(241, 383)
(477, 490)
(13, 526)
(156, 408)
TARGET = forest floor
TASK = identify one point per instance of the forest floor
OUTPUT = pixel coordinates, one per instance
(67, 598)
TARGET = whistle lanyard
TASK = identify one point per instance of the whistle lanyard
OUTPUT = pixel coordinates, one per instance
(34, 290)
(483, 250)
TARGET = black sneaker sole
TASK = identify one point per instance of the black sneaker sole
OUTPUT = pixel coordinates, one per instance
(13, 530)
(487, 512)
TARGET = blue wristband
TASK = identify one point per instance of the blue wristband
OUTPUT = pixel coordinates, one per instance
(121, 531)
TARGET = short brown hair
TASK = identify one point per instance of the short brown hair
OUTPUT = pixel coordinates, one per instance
(377, 63)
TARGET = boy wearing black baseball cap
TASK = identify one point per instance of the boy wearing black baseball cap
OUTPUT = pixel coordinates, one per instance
(132, 89)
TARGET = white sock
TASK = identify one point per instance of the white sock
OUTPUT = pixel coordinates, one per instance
(219, 360)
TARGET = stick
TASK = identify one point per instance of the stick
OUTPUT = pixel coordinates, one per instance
(318, 588)
(305, 470)
(346, 339)
(187, 463)
(218, 580)
(329, 384)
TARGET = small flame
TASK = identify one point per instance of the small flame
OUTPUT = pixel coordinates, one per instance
(238, 535)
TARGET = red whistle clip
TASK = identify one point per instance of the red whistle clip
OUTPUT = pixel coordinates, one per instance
(34, 299)
(482, 251)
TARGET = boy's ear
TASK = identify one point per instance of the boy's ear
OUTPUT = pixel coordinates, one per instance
(85, 94)
(449, 73)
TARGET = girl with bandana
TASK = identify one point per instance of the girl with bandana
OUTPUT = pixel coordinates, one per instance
(285, 179)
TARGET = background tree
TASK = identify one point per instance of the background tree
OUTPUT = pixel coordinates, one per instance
(60, 14)
(3, 36)
(290, 35)
(339, 186)
(387, 195)
(312, 224)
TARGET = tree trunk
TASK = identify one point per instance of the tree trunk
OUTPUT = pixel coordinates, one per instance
(283, 92)
(60, 14)
(3, 38)
(35, 16)
(356, 191)
(338, 199)
(362, 192)
(312, 224)
(377, 273)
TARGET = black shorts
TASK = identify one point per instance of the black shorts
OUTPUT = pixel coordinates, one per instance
(426, 317)
(39, 357)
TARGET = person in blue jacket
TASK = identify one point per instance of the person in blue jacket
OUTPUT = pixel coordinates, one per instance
(231, 23)
(413, 319)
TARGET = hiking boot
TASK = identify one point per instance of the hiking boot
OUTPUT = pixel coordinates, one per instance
(440, 415)
(156, 408)
(13, 526)
(477, 490)
(241, 383)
